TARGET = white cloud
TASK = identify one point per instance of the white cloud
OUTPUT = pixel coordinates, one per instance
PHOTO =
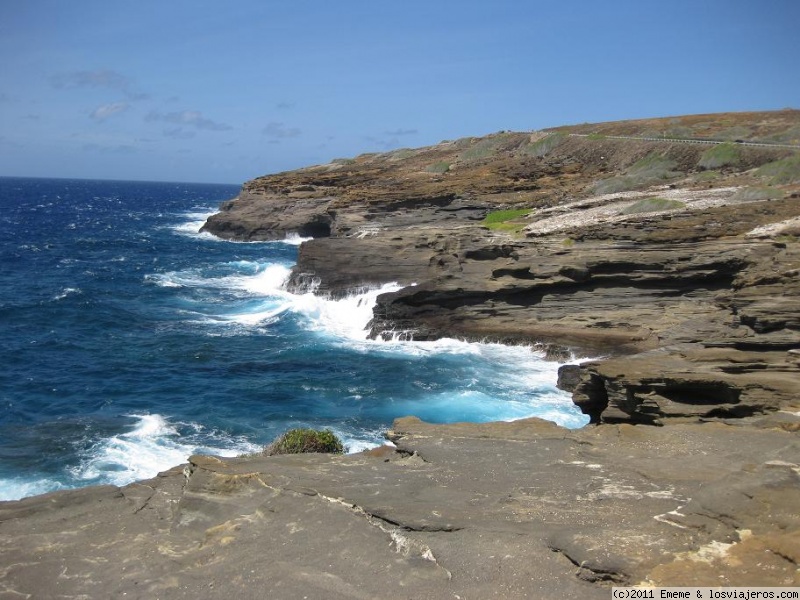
(100, 78)
(279, 130)
(101, 113)
(193, 118)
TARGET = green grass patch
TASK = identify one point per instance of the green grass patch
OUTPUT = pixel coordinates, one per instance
(650, 170)
(595, 136)
(753, 194)
(703, 176)
(439, 167)
(790, 136)
(506, 220)
(781, 172)
(343, 161)
(720, 155)
(300, 441)
(401, 153)
(484, 148)
(655, 204)
(737, 132)
(545, 145)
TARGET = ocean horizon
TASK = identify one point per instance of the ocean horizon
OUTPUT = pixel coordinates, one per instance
(131, 341)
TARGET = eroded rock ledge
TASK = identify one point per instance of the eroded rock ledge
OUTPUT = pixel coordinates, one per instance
(508, 510)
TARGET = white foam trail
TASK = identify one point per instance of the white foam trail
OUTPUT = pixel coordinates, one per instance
(154, 445)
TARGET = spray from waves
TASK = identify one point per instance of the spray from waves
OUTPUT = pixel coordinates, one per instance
(493, 382)
(153, 445)
(192, 222)
(14, 488)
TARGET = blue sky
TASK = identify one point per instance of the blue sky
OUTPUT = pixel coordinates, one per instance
(212, 91)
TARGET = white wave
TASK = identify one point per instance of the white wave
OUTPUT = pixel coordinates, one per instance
(66, 292)
(294, 239)
(195, 220)
(346, 318)
(14, 488)
(498, 382)
(154, 445)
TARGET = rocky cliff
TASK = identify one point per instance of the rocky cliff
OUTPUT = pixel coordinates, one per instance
(667, 250)
(680, 255)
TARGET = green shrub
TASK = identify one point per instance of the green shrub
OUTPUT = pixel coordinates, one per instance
(753, 194)
(652, 169)
(545, 145)
(485, 147)
(720, 155)
(786, 170)
(652, 205)
(737, 132)
(299, 441)
(703, 176)
(439, 167)
(401, 153)
(789, 136)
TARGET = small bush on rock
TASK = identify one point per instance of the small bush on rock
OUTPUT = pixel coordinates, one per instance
(299, 441)
(652, 205)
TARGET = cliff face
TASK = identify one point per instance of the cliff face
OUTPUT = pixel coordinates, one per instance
(682, 257)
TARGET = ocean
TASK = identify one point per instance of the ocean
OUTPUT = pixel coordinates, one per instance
(130, 341)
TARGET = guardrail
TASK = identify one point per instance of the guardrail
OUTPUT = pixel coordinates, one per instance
(684, 140)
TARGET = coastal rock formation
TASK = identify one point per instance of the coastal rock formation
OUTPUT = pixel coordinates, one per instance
(682, 257)
(507, 510)
(674, 266)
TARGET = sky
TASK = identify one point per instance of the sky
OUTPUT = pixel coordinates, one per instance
(222, 92)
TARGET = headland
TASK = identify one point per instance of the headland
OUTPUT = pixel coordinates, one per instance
(669, 248)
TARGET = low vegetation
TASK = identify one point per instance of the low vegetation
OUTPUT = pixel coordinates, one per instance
(655, 204)
(506, 220)
(545, 145)
(753, 194)
(439, 167)
(782, 172)
(484, 148)
(720, 155)
(652, 169)
(300, 441)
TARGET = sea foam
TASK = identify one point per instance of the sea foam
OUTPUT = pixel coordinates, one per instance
(153, 445)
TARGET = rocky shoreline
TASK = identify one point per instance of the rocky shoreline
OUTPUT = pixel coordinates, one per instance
(678, 263)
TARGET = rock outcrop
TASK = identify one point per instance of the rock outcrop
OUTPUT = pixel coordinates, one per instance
(499, 510)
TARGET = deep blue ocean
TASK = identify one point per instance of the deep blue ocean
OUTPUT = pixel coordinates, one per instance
(130, 341)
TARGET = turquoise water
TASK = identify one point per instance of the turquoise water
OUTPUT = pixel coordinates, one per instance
(130, 341)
